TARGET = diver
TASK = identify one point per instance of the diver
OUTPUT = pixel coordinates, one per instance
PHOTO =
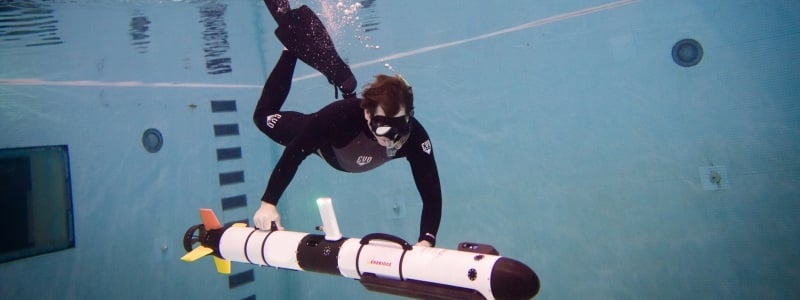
(352, 134)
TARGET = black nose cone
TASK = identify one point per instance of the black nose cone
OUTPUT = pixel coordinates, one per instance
(513, 280)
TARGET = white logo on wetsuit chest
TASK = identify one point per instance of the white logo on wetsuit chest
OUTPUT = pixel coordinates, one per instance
(363, 160)
(272, 120)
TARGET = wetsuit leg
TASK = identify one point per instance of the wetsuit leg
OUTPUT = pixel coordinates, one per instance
(278, 9)
(280, 126)
(302, 32)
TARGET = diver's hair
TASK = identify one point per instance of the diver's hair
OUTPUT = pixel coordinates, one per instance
(390, 92)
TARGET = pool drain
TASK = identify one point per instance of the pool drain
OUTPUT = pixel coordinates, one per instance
(687, 52)
(152, 140)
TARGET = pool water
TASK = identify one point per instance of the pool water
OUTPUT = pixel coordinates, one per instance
(565, 135)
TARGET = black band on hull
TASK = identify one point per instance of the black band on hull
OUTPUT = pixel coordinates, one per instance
(247, 241)
(315, 253)
(211, 239)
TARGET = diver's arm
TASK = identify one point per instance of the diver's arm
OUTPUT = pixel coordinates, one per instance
(287, 165)
(426, 176)
(321, 130)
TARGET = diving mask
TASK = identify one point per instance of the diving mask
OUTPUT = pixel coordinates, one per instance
(393, 128)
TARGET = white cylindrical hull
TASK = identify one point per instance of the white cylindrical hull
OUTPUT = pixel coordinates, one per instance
(381, 259)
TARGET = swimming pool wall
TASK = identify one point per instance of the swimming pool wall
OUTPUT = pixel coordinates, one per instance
(573, 143)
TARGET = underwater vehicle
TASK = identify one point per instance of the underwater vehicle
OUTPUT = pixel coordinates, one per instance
(380, 262)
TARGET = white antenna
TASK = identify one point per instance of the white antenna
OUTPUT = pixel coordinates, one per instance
(329, 224)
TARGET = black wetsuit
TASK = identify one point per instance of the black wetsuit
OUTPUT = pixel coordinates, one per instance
(339, 134)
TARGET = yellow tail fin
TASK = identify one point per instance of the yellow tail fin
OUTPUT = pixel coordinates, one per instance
(196, 254)
(223, 266)
(210, 222)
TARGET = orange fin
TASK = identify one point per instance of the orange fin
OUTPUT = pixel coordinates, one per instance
(210, 221)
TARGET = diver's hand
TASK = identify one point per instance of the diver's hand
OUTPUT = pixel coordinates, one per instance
(265, 215)
(423, 244)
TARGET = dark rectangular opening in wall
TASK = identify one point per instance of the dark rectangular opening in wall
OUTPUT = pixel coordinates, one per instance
(35, 201)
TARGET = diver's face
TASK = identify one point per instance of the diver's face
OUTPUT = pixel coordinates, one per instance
(384, 141)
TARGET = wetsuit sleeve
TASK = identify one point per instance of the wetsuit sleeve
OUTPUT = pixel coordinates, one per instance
(284, 171)
(426, 177)
(321, 130)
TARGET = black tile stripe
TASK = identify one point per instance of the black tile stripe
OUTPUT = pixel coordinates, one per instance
(226, 129)
(226, 178)
(229, 153)
(239, 279)
(231, 177)
(218, 106)
(234, 202)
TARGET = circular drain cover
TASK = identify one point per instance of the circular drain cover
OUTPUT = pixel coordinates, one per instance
(687, 52)
(152, 140)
